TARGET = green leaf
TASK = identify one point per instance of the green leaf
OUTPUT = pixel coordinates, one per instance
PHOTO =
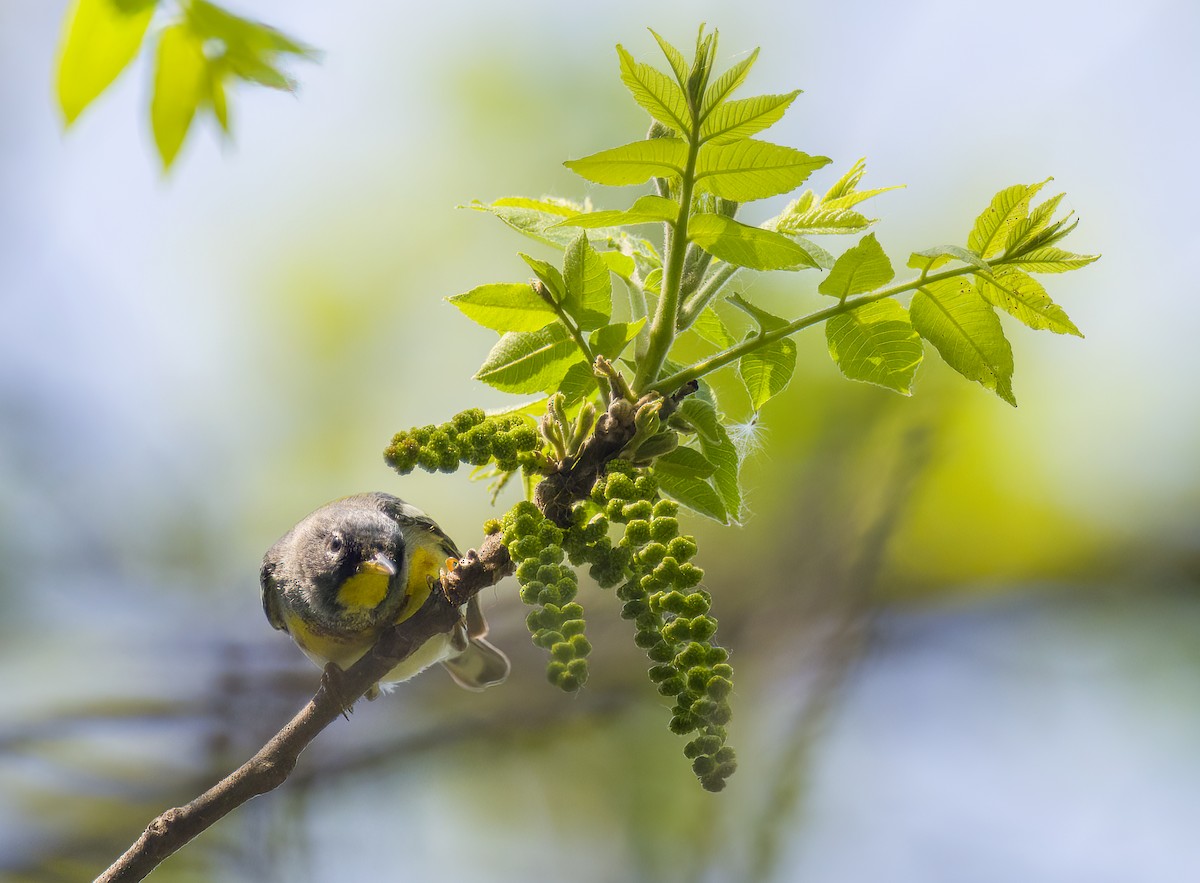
(215, 95)
(746, 246)
(655, 92)
(863, 268)
(528, 362)
(99, 40)
(1052, 260)
(621, 264)
(180, 85)
(768, 370)
(1007, 209)
(710, 327)
(536, 218)
(821, 220)
(740, 119)
(876, 343)
(685, 462)
(611, 340)
(1025, 229)
(843, 195)
(550, 276)
(646, 210)
(966, 331)
(505, 306)
(726, 84)
(932, 258)
(719, 450)
(1024, 298)
(577, 384)
(243, 36)
(694, 493)
(679, 65)
(633, 163)
(747, 170)
(588, 285)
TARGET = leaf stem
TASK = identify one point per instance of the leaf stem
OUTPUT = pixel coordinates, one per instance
(725, 357)
(662, 330)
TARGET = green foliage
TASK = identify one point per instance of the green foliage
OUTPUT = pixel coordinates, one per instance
(200, 51)
(628, 435)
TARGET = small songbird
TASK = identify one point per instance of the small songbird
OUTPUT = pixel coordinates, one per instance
(358, 565)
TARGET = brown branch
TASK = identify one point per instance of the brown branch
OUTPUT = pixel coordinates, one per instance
(268, 769)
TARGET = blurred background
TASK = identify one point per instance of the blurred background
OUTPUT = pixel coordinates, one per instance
(967, 638)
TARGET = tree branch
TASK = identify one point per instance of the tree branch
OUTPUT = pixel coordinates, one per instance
(270, 767)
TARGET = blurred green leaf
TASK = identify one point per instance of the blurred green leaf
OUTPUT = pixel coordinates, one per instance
(248, 49)
(746, 246)
(505, 306)
(588, 285)
(634, 163)
(100, 38)
(1024, 298)
(180, 86)
(932, 258)
(740, 119)
(655, 92)
(645, 210)
(966, 331)
(528, 362)
(747, 170)
(876, 343)
(860, 269)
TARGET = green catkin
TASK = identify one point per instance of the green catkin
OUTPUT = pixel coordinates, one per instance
(549, 585)
(469, 437)
(670, 614)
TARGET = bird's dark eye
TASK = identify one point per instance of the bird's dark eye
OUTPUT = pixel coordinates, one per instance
(335, 544)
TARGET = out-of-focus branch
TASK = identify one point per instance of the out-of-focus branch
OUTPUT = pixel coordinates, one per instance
(274, 762)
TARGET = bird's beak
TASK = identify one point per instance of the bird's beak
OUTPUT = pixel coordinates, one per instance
(381, 564)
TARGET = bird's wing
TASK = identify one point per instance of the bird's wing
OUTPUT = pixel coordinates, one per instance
(269, 590)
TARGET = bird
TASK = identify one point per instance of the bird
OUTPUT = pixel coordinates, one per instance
(355, 567)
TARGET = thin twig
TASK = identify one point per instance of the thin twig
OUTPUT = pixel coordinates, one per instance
(274, 762)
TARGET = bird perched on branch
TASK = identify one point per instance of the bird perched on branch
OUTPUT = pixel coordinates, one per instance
(359, 565)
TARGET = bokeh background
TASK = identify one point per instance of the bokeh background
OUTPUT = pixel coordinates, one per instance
(967, 637)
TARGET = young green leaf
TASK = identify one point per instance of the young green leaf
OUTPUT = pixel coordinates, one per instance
(694, 493)
(180, 85)
(645, 210)
(711, 328)
(766, 371)
(685, 462)
(820, 220)
(843, 194)
(621, 264)
(1007, 209)
(550, 276)
(747, 170)
(1052, 260)
(1026, 228)
(740, 119)
(860, 269)
(726, 84)
(679, 65)
(588, 285)
(100, 38)
(577, 384)
(528, 362)
(719, 450)
(656, 93)
(931, 258)
(536, 218)
(746, 246)
(611, 340)
(634, 163)
(876, 343)
(966, 331)
(1024, 297)
(215, 95)
(505, 306)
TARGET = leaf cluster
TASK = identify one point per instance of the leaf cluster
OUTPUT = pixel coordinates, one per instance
(201, 51)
